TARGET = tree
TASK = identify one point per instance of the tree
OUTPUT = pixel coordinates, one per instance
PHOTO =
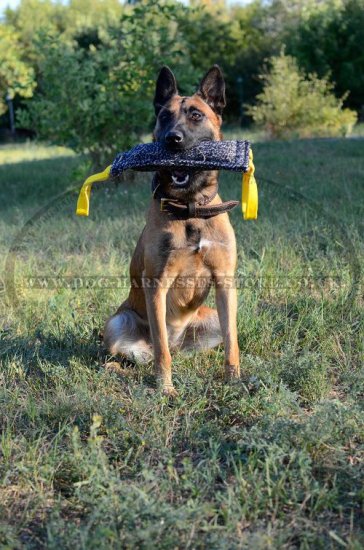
(293, 105)
(259, 30)
(31, 16)
(98, 98)
(90, 14)
(64, 20)
(329, 39)
(16, 77)
(209, 36)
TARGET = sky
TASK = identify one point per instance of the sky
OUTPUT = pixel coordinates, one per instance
(5, 3)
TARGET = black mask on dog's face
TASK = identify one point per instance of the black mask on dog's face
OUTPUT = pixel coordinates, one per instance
(183, 122)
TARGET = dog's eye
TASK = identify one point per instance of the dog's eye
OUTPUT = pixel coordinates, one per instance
(196, 115)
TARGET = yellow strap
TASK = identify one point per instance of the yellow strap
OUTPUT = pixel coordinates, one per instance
(249, 192)
(83, 202)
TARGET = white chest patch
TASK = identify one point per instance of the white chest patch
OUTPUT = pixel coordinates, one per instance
(205, 243)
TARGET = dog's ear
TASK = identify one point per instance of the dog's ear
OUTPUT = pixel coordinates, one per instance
(212, 89)
(166, 87)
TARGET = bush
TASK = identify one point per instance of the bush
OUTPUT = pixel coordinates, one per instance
(95, 94)
(293, 105)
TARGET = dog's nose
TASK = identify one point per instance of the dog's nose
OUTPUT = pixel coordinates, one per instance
(174, 137)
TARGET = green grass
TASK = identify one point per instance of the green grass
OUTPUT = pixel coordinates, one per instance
(93, 458)
(29, 151)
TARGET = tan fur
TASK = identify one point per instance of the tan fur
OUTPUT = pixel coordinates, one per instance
(158, 318)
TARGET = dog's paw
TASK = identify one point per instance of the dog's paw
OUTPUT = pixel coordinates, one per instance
(120, 367)
(232, 373)
(169, 391)
(114, 366)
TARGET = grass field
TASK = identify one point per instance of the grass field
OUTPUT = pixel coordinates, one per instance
(97, 459)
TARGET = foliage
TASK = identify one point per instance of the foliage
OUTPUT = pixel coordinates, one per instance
(16, 77)
(91, 14)
(325, 37)
(33, 16)
(294, 105)
(329, 39)
(95, 458)
(209, 35)
(259, 29)
(96, 94)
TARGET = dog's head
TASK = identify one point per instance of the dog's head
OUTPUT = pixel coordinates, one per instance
(183, 122)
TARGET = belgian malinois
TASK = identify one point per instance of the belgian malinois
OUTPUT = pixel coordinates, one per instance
(186, 246)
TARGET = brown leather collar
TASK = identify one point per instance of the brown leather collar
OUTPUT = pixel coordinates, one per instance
(184, 211)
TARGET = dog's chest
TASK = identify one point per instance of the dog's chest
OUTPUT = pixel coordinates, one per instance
(194, 246)
(194, 238)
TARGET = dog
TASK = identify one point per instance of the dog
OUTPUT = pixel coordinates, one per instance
(186, 246)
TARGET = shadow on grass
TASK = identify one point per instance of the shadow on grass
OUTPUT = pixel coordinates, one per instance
(42, 347)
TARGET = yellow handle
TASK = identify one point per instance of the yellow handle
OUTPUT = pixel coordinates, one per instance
(250, 192)
(83, 202)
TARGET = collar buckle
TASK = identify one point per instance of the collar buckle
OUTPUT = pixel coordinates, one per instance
(164, 201)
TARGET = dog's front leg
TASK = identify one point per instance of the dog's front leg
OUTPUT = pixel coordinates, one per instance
(156, 296)
(226, 302)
